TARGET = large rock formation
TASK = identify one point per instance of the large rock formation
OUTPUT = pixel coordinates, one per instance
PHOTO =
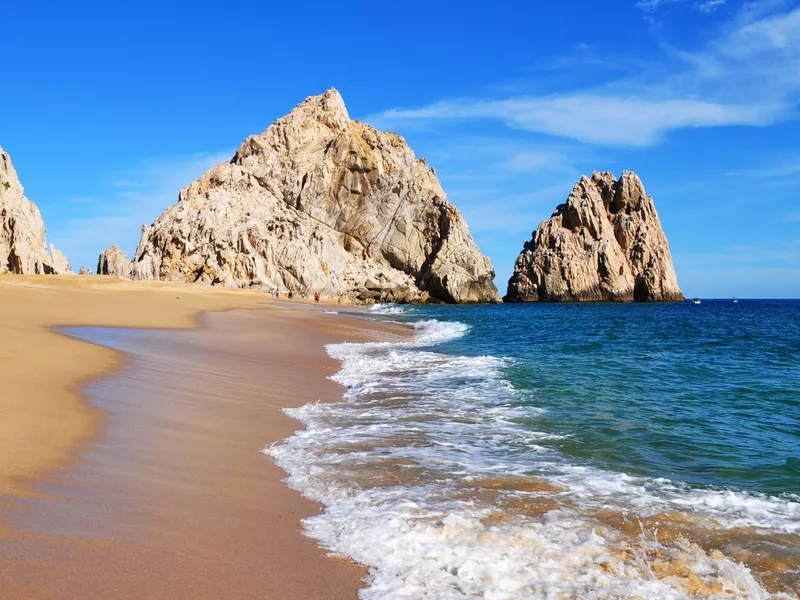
(319, 203)
(23, 247)
(604, 243)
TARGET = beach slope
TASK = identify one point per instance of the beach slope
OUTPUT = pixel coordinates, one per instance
(150, 482)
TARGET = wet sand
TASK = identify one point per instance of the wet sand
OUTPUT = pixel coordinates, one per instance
(169, 495)
(43, 419)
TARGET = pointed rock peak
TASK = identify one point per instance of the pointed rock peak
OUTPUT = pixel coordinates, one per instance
(602, 179)
(608, 177)
(328, 108)
(630, 175)
(332, 95)
(312, 120)
(629, 192)
(626, 193)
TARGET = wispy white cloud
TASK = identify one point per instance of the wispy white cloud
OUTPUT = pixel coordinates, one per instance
(781, 169)
(591, 117)
(136, 196)
(650, 6)
(709, 6)
(754, 10)
(746, 76)
(754, 59)
(493, 158)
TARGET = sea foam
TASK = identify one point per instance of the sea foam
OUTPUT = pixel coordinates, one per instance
(388, 309)
(399, 466)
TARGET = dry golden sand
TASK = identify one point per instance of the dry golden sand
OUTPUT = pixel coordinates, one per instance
(169, 496)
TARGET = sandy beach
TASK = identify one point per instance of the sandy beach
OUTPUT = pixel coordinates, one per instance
(136, 471)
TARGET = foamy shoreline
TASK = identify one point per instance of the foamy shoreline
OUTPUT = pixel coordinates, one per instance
(418, 482)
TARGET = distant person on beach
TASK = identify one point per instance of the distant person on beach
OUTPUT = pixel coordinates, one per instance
(291, 294)
(316, 297)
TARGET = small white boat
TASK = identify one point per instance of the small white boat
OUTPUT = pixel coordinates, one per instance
(736, 301)
(696, 301)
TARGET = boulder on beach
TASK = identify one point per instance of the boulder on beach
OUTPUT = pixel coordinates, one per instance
(23, 244)
(114, 262)
(319, 203)
(605, 243)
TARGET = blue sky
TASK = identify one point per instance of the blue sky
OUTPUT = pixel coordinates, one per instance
(108, 110)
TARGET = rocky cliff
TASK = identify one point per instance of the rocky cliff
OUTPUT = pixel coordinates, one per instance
(604, 244)
(319, 202)
(23, 247)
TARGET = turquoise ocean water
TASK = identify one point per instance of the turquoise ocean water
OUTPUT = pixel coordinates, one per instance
(705, 394)
(564, 451)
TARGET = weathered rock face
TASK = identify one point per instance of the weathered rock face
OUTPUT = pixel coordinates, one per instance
(23, 247)
(604, 244)
(114, 262)
(59, 261)
(320, 203)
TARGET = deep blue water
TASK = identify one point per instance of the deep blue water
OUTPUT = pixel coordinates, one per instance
(705, 394)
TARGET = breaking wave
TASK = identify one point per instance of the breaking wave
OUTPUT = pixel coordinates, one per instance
(433, 477)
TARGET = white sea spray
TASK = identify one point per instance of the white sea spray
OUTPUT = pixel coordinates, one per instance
(388, 309)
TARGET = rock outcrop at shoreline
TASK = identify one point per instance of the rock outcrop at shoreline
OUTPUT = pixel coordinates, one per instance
(604, 244)
(23, 244)
(319, 202)
(114, 262)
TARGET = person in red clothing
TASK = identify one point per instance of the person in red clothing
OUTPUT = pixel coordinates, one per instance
(316, 297)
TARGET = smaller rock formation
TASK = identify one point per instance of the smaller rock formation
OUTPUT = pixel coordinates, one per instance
(114, 262)
(23, 247)
(60, 263)
(604, 244)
